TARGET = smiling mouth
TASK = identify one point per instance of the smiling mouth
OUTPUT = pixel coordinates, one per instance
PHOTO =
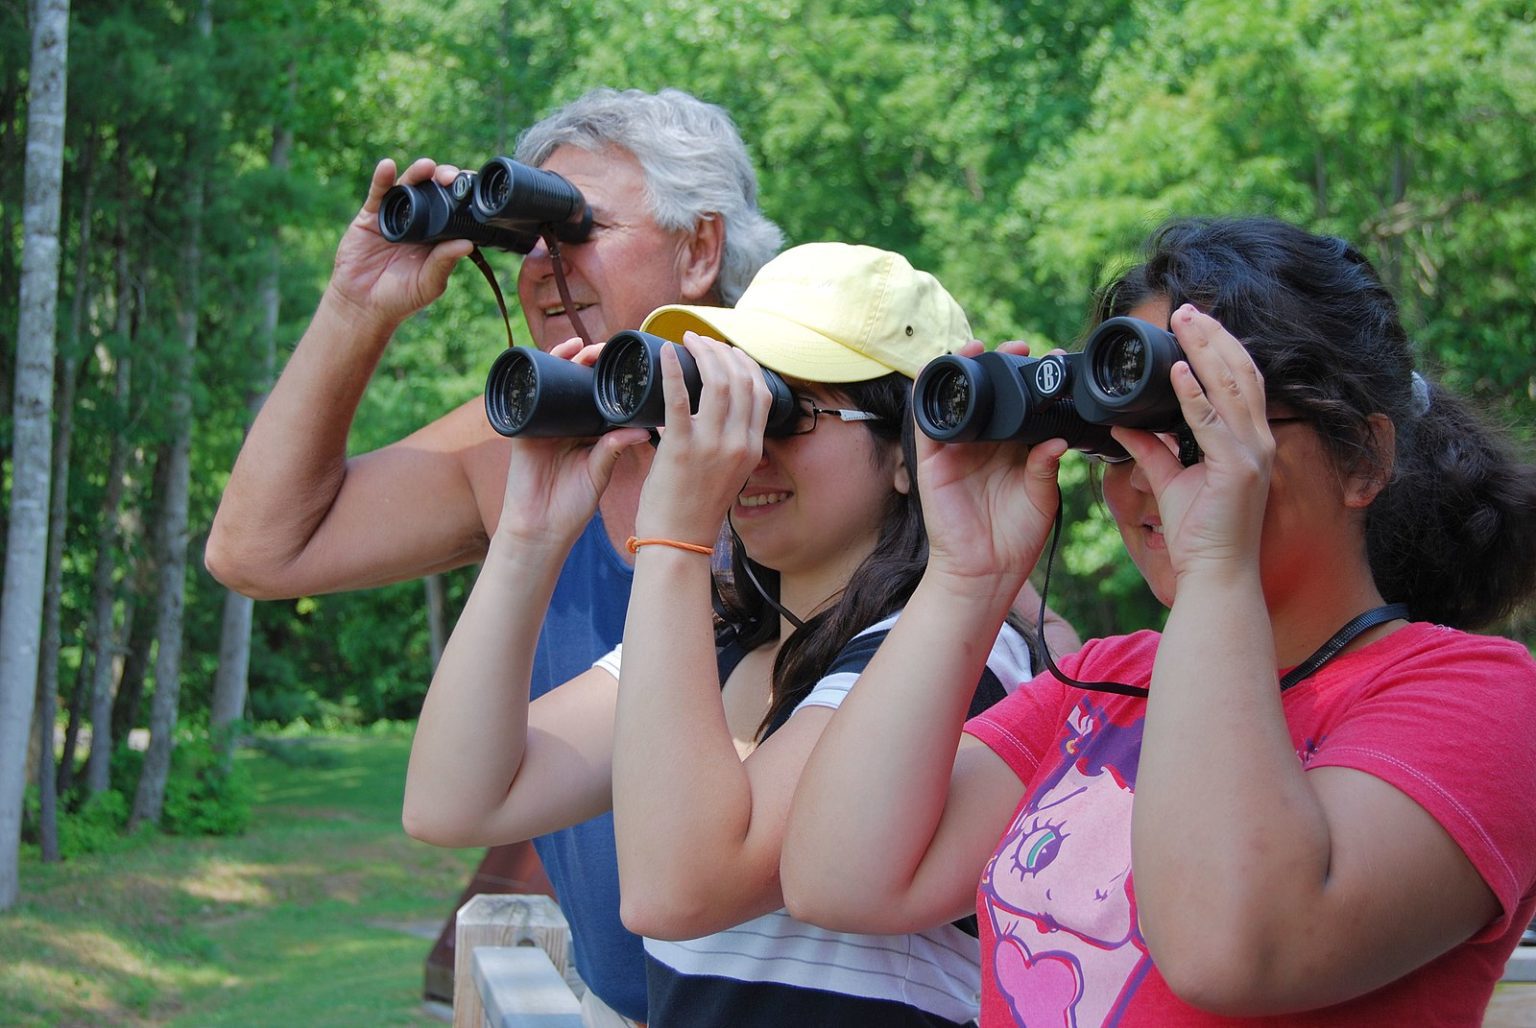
(762, 499)
(557, 311)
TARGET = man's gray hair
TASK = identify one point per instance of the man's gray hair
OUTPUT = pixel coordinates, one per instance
(695, 166)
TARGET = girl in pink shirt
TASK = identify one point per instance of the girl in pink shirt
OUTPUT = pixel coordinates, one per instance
(1308, 797)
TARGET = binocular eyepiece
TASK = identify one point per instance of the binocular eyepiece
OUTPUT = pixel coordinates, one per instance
(1119, 378)
(529, 392)
(505, 206)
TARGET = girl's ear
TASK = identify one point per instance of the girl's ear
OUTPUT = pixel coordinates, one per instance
(1371, 473)
(902, 480)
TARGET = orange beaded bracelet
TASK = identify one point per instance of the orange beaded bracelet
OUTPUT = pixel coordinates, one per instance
(633, 545)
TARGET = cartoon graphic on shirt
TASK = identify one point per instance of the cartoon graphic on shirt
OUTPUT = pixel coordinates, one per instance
(1058, 890)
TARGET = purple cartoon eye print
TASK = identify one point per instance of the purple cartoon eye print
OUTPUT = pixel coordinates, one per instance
(1065, 948)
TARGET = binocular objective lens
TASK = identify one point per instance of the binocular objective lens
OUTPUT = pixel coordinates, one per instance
(521, 389)
(1122, 366)
(631, 379)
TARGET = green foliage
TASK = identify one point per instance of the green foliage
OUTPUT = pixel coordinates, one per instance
(86, 824)
(203, 796)
(96, 827)
(1019, 150)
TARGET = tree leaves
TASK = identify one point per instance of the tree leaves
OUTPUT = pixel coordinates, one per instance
(1015, 149)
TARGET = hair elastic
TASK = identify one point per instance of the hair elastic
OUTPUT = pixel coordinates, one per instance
(633, 545)
(1420, 395)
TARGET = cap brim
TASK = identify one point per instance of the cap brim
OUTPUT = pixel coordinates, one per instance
(778, 343)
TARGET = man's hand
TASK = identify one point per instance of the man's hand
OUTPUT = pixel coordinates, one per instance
(387, 282)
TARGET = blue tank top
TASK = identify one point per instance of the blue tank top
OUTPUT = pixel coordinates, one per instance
(585, 620)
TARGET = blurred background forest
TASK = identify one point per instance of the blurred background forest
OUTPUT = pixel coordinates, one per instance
(1019, 150)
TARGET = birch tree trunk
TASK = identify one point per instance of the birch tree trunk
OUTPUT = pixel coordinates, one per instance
(26, 535)
(227, 706)
(11, 144)
(149, 800)
(437, 630)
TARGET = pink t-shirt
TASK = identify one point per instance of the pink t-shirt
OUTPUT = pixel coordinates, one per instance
(1447, 717)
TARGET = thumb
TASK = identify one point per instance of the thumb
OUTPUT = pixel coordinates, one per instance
(1040, 471)
(607, 451)
(444, 256)
(378, 185)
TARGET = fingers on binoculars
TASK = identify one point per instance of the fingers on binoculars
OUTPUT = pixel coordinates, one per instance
(576, 351)
(419, 170)
(674, 392)
(1219, 382)
(716, 377)
(378, 185)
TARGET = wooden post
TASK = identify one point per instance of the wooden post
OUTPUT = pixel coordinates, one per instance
(511, 869)
(503, 920)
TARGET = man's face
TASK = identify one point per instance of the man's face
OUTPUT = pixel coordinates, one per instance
(627, 268)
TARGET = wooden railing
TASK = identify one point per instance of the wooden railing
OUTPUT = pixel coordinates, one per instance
(513, 969)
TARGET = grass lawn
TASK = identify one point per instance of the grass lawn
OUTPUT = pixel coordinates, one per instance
(301, 921)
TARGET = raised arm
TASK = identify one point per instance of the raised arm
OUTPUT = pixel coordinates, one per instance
(892, 783)
(697, 830)
(297, 516)
(486, 766)
(1263, 887)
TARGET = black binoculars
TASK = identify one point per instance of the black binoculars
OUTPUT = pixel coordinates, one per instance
(506, 206)
(531, 393)
(1119, 378)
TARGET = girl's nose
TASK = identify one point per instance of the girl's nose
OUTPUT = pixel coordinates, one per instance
(1139, 479)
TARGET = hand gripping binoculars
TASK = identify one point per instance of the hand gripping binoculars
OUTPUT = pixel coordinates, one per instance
(531, 393)
(1119, 378)
(505, 205)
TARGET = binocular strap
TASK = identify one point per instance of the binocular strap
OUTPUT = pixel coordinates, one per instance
(490, 276)
(565, 293)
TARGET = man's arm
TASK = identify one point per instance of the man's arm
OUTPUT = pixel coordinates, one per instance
(297, 516)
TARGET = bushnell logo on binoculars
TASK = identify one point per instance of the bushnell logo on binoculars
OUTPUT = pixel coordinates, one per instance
(506, 206)
(531, 393)
(1119, 378)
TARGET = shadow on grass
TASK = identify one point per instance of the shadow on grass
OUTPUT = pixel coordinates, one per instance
(301, 921)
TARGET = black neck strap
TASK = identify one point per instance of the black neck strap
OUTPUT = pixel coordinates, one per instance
(746, 565)
(1326, 652)
(1342, 638)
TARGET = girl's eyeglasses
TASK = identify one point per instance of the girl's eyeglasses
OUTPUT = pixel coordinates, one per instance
(809, 413)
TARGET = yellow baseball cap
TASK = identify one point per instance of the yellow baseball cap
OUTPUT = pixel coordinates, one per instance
(831, 312)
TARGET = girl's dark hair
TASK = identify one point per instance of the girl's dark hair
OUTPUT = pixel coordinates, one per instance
(879, 587)
(1453, 533)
